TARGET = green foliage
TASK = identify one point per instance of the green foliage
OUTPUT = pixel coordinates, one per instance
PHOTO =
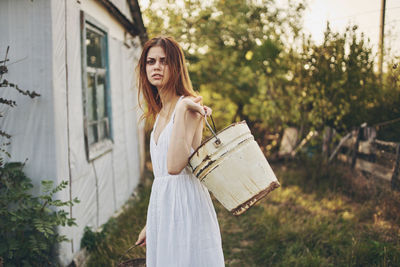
(336, 81)
(388, 108)
(251, 62)
(90, 239)
(28, 224)
(235, 51)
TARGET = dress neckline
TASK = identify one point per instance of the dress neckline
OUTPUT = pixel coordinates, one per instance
(170, 120)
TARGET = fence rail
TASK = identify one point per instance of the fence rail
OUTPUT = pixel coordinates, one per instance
(377, 157)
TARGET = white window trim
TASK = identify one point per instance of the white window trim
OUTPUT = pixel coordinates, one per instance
(104, 146)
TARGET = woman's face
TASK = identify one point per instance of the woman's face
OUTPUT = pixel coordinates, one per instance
(157, 70)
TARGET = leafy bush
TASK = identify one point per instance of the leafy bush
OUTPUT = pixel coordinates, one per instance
(91, 239)
(28, 223)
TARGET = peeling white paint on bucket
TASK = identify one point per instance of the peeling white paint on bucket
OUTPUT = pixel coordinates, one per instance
(232, 166)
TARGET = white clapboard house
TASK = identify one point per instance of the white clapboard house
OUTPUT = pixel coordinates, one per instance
(80, 56)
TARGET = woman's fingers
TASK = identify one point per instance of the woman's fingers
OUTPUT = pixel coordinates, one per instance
(207, 110)
(142, 237)
(141, 243)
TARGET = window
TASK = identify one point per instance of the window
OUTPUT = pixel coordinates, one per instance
(95, 88)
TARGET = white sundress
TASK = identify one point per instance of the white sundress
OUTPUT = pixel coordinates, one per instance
(182, 228)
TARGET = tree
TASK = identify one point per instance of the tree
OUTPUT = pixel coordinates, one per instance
(250, 60)
(336, 81)
(236, 52)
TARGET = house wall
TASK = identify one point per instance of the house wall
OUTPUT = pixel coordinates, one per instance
(104, 184)
(26, 27)
(95, 10)
(49, 130)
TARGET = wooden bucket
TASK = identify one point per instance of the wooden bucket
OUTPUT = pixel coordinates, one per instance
(232, 166)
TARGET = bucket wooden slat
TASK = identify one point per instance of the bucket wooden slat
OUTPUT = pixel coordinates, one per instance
(234, 169)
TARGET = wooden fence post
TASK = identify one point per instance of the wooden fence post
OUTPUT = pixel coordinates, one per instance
(326, 142)
(339, 145)
(395, 177)
(355, 149)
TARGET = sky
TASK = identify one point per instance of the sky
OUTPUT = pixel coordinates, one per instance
(364, 13)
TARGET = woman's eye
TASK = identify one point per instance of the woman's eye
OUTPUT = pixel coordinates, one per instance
(153, 61)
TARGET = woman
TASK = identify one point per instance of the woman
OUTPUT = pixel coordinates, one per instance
(182, 227)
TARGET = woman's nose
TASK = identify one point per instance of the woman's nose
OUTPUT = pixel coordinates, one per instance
(157, 65)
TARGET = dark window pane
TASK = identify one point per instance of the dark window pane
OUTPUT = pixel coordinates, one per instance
(94, 46)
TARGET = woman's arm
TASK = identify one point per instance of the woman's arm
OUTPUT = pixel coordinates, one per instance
(198, 135)
(186, 132)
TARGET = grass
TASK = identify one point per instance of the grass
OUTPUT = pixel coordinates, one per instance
(322, 215)
(109, 247)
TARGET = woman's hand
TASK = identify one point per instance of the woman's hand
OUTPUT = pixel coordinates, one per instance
(141, 241)
(208, 110)
(195, 106)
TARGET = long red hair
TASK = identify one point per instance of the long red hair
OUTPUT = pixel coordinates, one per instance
(178, 82)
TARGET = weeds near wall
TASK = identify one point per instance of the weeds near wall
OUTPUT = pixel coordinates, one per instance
(4, 83)
(28, 223)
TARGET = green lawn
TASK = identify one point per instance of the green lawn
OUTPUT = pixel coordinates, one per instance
(320, 216)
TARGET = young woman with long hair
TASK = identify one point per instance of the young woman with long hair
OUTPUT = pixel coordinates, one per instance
(181, 227)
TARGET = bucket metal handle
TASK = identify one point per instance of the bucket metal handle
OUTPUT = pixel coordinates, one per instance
(217, 141)
(126, 252)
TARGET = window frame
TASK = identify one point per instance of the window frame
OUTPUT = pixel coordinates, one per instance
(100, 147)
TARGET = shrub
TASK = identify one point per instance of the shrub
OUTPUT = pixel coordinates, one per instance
(28, 223)
(91, 239)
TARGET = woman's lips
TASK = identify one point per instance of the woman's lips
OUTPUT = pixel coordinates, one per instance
(157, 76)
